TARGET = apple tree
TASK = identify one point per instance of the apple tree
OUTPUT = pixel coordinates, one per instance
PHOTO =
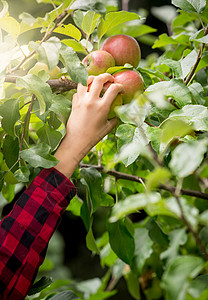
(148, 179)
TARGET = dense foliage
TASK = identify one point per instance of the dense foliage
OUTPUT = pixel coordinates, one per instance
(149, 177)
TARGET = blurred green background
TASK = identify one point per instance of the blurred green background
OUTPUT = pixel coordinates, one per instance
(67, 250)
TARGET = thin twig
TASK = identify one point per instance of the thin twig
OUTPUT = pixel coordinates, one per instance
(120, 175)
(191, 74)
(62, 84)
(190, 228)
(25, 125)
(112, 283)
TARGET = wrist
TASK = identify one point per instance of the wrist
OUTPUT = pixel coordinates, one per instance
(69, 154)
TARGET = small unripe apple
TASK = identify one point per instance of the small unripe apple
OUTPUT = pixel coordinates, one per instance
(39, 66)
(124, 49)
(98, 61)
(132, 82)
(118, 101)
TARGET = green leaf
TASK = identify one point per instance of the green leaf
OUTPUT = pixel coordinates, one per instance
(157, 177)
(172, 129)
(133, 113)
(78, 17)
(177, 238)
(133, 28)
(121, 240)
(11, 151)
(102, 295)
(174, 65)
(198, 286)
(61, 106)
(203, 39)
(86, 215)
(165, 40)
(187, 157)
(76, 46)
(66, 295)
(190, 6)
(29, 22)
(179, 91)
(156, 233)
(170, 208)
(22, 174)
(90, 21)
(188, 62)
(107, 256)
(133, 285)
(115, 69)
(88, 5)
(69, 30)
(38, 156)
(165, 13)
(75, 206)
(9, 111)
(2, 199)
(49, 136)
(153, 134)
(132, 204)
(4, 10)
(48, 52)
(113, 19)
(155, 73)
(90, 242)
(197, 92)
(89, 286)
(10, 25)
(203, 62)
(183, 18)
(8, 50)
(174, 88)
(176, 277)
(196, 114)
(131, 147)
(28, 18)
(125, 134)
(40, 285)
(37, 87)
(93, 180)
(143, 247)
(76, 70)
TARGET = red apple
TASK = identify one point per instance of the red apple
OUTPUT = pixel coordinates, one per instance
(124, 49)
(118, 101)
(132, 83)
(98, 61)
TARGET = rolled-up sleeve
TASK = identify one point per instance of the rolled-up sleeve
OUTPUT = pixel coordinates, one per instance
(26, 231)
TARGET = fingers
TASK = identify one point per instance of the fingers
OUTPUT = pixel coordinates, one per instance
(97, 84)
(90, 79)
(81, 89)
(111, 93)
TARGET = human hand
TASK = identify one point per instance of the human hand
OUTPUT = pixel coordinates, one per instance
(88, 122)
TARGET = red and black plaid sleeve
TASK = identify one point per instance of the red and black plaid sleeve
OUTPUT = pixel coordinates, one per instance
(26, 231)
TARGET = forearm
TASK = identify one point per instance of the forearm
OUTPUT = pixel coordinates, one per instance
(69, 155)
(26, 231)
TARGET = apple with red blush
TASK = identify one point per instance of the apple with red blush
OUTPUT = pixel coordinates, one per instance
(98, 61)
(124, 49)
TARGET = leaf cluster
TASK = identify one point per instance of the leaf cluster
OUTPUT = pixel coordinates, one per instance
(146, 182)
